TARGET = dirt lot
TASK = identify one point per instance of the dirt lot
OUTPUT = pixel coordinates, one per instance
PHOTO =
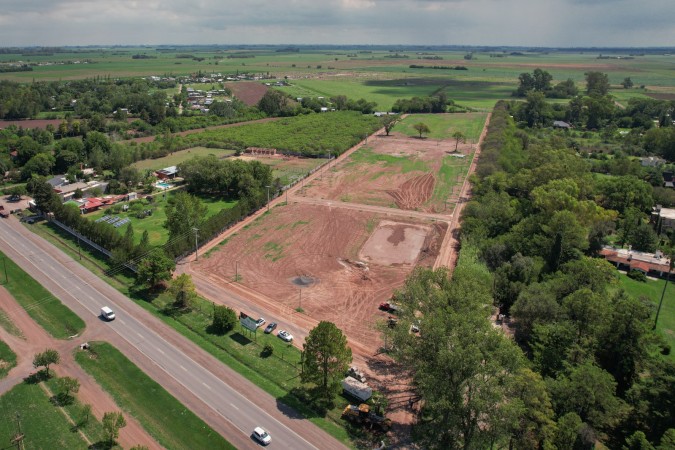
(249, 92)
(394, 171)
(337, 264)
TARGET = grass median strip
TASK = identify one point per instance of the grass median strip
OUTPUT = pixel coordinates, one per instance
(164, 417)
(41, 305)
(7, 359)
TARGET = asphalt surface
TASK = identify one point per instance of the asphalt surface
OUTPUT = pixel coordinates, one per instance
(229, 403)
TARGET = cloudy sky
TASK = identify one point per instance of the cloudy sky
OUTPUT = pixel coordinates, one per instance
(555, 23)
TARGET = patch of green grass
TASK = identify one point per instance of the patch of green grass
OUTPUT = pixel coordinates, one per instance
(8, 325)
(164, 417)
(154, 224)
(42, 424)
(41, 305)
(443, 126)
(274, 249)
(366, 155)
(298, 223)
(7, 359)
(447, 177)
(652, 290)
(371, 224)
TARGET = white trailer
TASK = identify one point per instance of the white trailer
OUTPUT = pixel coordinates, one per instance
(356, 389)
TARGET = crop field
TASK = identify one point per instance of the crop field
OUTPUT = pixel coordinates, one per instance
(178, 157)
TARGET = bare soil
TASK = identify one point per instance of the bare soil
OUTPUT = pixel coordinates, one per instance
(335, 263)
(249, 92)
(380, 184)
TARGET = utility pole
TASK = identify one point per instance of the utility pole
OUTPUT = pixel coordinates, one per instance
(268, 198)
(670, 269)
(18, 437)
(196, 230)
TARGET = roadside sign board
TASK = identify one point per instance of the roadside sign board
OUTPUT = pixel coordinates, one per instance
(247, 322)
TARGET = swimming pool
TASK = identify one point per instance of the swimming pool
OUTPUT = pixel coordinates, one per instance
(163, 185)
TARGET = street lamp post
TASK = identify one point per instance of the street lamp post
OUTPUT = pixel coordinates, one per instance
(268, 197)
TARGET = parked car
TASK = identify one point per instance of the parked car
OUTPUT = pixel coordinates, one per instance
(262, 436)
(285, 335)
(270, 327)
(260, 322)
(107, 313)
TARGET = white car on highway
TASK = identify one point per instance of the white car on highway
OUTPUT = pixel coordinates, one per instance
(262, 436)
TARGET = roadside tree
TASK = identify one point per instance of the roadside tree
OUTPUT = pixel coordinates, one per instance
(112, 423)
(67, 385)
(224, 319)
(155, 268)
(183, 213)
(46, 358)
(183, 290)
(326, 358)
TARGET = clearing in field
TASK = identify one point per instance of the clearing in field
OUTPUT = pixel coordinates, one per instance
(178, 157)
(404, 172)
(335, 263)
(286, 168)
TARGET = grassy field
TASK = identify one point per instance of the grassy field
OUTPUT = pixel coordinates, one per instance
(164, 417)
(442, 126)
(154, 224)
(41, 305)
(180, 156)
(652, 290)
(43, 424)
(7, 359)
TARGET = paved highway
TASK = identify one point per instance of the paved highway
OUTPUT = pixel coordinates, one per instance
(242, 404)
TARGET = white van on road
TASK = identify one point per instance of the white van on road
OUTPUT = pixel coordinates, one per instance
(107, 313)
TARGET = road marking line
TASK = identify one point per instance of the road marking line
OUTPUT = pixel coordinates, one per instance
(232, 405)
(160, 350)
(207, 386)
(183, 368)
(140, 335)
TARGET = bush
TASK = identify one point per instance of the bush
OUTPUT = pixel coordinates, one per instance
(637, 276)
(224, 319)
(268, 350)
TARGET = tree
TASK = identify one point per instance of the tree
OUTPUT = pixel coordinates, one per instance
(536, 111)
(274, 103)
(67, 385)
(183, 290)
(85, 414)
(46, 358)
(183, 213)
(155, 268)
(40, 164)
(637, 441)
(597, 83)
(421, 128)
(389, 122)
(459, 138)
(224, 319)
(326, 358)
(112, 423)
(627, 83)
(45, 198)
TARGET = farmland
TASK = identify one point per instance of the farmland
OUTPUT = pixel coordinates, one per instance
(178, 157)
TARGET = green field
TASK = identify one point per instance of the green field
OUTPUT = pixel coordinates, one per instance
(164, 417)
(442, 126)
(180, 156)
(154, 224)
(41, 305)
(652, 290)
(7, 359)
(43, 425)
